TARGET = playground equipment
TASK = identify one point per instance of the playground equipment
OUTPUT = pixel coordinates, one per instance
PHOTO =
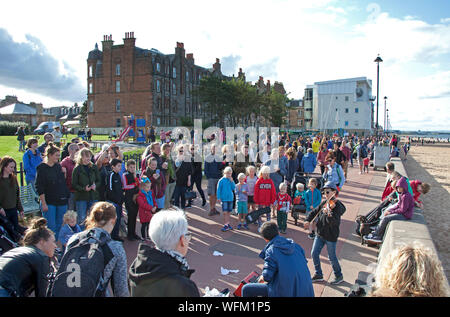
(135, 129)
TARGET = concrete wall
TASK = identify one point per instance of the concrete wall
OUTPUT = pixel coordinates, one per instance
(399, 233)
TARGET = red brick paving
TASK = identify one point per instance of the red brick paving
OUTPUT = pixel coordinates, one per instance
(241, 247)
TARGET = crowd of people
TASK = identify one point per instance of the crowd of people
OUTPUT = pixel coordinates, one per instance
(82, 198)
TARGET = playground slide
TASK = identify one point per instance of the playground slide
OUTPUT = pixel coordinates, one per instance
(123, 134)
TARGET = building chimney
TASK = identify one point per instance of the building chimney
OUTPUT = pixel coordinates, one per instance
(129, 39)
(180, 45)
(216, 66)
(107, 42)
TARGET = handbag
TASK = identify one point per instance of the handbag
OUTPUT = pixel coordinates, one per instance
(190, 195)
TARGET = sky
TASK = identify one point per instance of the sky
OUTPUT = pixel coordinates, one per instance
(44, 46)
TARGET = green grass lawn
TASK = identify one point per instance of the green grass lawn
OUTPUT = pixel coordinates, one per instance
(10, 146)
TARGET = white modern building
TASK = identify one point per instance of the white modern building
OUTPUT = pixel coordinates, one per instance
(345, 105)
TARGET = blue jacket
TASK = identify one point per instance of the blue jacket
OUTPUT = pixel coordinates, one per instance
(312, 199)
(225, 189)
(30, 163)
(285, 269)
(213, 169)
(335, 175)
(283, 165)
(309, 162)
(66, 232)
(292, 169)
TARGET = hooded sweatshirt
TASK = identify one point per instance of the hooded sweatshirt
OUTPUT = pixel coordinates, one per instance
(309, 163)
(285, 269)
(265, 193)
(405, 204)
(157, 274)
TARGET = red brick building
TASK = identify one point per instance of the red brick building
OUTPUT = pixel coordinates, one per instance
(125, 79)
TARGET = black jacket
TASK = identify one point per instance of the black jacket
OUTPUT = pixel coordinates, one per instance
(328, 227)
(24, 270)
(182, 172)
(51, 182)
(114, 189)
(157, 274)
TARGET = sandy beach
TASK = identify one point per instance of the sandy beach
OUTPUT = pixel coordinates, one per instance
(431, 164)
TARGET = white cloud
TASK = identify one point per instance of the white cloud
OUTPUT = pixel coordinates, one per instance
(309, 40)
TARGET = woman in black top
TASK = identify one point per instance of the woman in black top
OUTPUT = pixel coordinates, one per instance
(52, 189)
(25, 269)
(183, 171)
(196, 176)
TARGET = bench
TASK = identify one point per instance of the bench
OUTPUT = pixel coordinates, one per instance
(29, 199)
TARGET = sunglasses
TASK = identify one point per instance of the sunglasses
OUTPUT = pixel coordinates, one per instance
(145, 180)
(180, 151)
(188, 236)
(326, 192)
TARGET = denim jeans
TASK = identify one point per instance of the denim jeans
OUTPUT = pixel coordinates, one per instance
(13, 217)
(255, 290)
(54, 217)
(180, 192)
(379, 232)
(82, 210)
(115, 231)
(317, 247)
(71, 202)
(4, 292)
(227, 206)
(170, 188)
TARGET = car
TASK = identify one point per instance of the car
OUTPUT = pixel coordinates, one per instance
(47, 126)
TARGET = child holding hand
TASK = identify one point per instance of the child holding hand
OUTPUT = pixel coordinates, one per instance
(242, 199)
(147, 206)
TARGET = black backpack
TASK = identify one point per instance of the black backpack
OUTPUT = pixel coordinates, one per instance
(362, 152)
(80, 273)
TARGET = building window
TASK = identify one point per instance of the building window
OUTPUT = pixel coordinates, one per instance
(158, 86)
(91, 88)
(187, 91)
(346, 110)
(356, 110)
(118, 105)
(174, 88)
(91, 70)
(174, 72)
(158, 121)
(346, 98)
(117, 69)
(187, 76)
(346, 123)
(118, 86)
(167, 69)
(336, 97)
(158, 67)
(91, 105)
(118, 123)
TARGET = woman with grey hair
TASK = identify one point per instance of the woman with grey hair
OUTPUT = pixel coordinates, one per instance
(163, 271)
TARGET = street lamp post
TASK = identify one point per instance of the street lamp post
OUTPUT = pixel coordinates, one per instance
(385, 121)
(378, 60)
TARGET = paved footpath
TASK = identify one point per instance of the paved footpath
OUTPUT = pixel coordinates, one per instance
(241, 248)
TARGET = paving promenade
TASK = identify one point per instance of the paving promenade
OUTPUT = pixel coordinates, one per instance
(241, 248)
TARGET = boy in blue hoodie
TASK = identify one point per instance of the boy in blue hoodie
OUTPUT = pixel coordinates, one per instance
(285, 271)
(313, 198)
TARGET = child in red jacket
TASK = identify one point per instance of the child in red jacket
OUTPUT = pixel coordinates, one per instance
(265, 193)
(283, 204)
(147, 206)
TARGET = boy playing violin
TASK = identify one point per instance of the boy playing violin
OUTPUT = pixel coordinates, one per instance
(328, 215)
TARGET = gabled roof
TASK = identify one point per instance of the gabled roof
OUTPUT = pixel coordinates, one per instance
(17, 108)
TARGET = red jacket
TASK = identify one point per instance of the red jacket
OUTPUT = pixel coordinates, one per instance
(265, 193)
(416, 193)
(145, 209)
(283, 201)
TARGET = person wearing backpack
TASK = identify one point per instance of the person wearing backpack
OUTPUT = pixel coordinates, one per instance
(334, 172)
(361, 154)
(107, 261)
(24, 270)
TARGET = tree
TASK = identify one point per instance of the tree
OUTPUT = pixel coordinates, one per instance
(83, 114)
(274, 107)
